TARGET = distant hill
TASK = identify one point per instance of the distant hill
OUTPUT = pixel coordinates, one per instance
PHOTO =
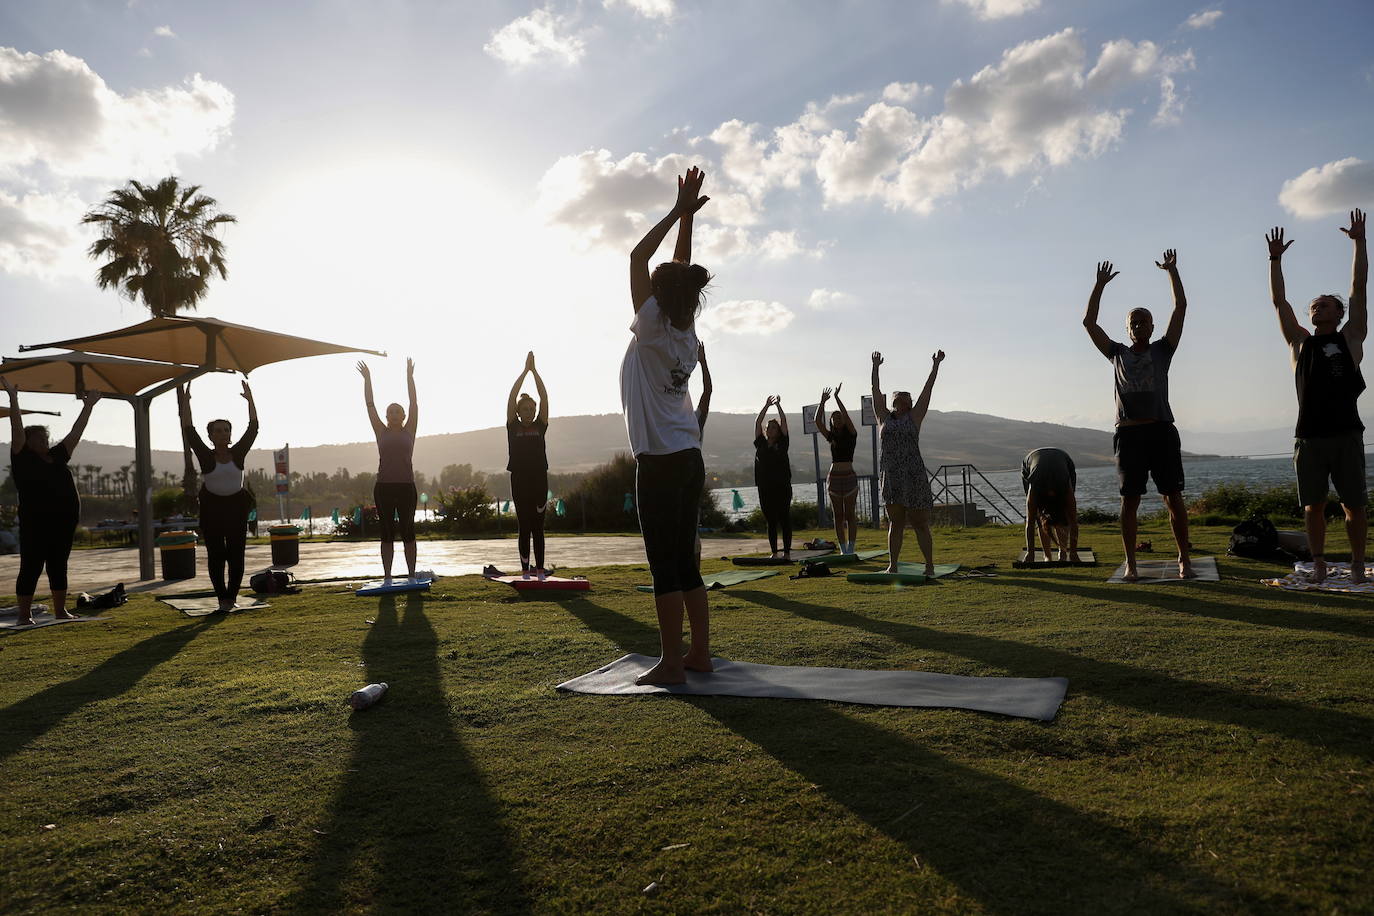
(580, 443)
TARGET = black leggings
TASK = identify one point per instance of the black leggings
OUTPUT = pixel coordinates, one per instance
(224, 528)
(668, 491)
(44, 541)
(529, 490)
(395, 499)
(776, 502)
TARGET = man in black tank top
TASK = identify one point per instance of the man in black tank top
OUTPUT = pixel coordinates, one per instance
(1329, 443)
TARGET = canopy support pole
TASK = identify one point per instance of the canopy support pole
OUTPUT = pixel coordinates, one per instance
(143, 483)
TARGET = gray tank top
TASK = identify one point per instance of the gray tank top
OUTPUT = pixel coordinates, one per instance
(395, 448)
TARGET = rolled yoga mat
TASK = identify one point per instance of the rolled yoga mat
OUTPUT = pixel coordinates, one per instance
(727, 578)
(907, 574)
(1030, 698)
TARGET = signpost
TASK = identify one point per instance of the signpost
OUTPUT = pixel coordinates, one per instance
(281, 459)
(869, 418)
(809, 427)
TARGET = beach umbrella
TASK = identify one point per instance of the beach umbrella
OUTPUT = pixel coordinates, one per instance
(736, 500)
(358, 516)
(629, 505)
(335, 516)
(560, 510)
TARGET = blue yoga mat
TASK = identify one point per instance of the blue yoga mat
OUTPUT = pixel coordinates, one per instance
(394, 586)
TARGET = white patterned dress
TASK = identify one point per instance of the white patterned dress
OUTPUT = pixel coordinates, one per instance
(902, 477)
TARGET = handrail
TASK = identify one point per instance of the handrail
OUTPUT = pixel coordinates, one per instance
(940, 479)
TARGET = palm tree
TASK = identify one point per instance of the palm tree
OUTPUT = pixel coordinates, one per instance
(159, 247)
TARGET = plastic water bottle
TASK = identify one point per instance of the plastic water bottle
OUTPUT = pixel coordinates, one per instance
(369, 695)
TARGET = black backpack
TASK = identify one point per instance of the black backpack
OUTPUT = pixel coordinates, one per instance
(273, 582)
(1256, 538)
(113, 598)
(814, 571)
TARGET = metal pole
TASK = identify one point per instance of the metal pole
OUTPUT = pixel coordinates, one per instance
(820, 490)
(873, 488)
(143, 484)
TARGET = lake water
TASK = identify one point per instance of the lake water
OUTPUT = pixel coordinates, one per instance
(1097, 487)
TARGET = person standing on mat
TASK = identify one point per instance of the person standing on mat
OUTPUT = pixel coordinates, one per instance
(664, 431)
(394, 492)
(773, 476)
(703, 411)
(903, 484)
(1049, 480)
(1329, 444)
(528, 464)
(841, 482)
(1146, 441)
(49, 507)
(224, 502)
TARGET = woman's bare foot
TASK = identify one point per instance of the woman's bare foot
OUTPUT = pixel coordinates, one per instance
(1358, 576)
(663, 674)
(1185, 569)
(1318, 569)
(891, 568)
(24, 621)
(63, 614)
(930, 571)
(698, 661)
(1131, 574)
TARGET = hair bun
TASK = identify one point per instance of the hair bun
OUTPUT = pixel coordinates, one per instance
(697, 277)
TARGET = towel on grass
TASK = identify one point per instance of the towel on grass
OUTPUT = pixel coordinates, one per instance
(1030, 698)
(1158, 572)
(199, 604)
(1337, 580)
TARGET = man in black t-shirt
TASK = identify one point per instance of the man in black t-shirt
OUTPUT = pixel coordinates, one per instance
(1329, 439)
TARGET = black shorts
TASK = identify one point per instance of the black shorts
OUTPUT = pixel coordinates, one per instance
(1149, 450)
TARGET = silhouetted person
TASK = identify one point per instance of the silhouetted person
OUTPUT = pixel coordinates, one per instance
(841, 482)
(394, 492)
(773, 475)
(665, 434)
(224, 501)
(49, 507)
(1049, 480)
(528, 464)
(903, 483)
(1146, 441)
(1329, 444)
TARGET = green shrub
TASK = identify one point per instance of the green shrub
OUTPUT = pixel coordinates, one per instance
(598, 502)
(167, 501)
(1091, 516)
(466, 509)
(803, 515)
(1238, 501)
(712, 515)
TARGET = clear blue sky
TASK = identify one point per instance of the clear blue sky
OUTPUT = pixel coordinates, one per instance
(460, 183)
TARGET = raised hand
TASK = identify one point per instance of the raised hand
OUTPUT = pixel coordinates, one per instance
(837, 390)
(410, 367)
(529, 361)
(1356, 230)
(1170, 260)
(877, 358)
(825, 395)
(1105, 274)
(1277, 246)
(701, 352)
(937, 357)
(246, 393)
(772, 399)
(364, 371)
(689, 200)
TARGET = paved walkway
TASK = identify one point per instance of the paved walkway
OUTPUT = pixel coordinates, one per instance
(97, 570)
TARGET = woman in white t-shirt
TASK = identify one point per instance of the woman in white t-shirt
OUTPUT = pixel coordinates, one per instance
(665, 434)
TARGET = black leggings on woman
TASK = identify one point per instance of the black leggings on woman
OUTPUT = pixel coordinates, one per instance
(44, 541)
(224, 528)
(530, 492)
(776, 502)
(668, 492)
(393, 500)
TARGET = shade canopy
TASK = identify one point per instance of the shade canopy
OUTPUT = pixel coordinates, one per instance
(73, 373)
(206, 342)
(5, 413)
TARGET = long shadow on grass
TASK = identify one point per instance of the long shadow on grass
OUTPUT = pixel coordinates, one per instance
(1181, 599)
(411, 829)
(1117, 682)
(35, 715)
(1013, 850)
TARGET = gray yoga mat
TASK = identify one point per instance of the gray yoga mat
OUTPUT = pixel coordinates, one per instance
(1030, 698)
(11, 624)
(1159, 572)
(204, 606)
(727, 578)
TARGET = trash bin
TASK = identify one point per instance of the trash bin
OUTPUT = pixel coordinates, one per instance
(286, 544)
(178, 554)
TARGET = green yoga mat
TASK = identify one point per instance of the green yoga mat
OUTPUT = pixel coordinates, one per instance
(727, 578)
(845, 559)
(908, 574)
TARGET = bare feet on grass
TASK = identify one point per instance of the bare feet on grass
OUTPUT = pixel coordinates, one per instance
(1318, 569)
(64, 614)
(664, 674)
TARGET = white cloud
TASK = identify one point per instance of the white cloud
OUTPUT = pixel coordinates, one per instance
(746, 316)
(542, 35)
(649, 9)
(823, 299)
(998, 9)
(65, 130)
(851, 169)
(145, 52)
(1336, 187)
(1203, 19)
(164, 31)
(57, 112)
(905, 92)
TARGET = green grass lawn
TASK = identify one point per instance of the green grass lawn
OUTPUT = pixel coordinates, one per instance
(1213, 752)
